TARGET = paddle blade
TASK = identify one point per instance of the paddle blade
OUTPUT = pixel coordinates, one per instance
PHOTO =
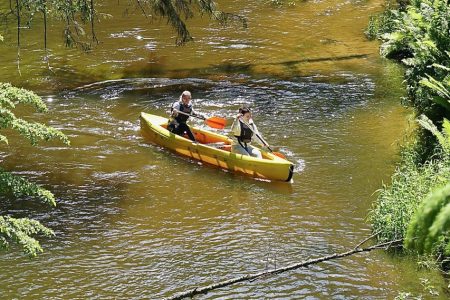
(216, 122)
(280, 155)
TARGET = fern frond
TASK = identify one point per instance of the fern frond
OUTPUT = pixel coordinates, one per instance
(446, 128)
(425, 216)
(436, 86)
(439, 230)
(443, 138)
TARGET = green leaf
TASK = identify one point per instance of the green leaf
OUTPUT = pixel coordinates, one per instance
(19, 95)
(20, 231)
(440, 67)
(19, 187)
(443, 137)
(11, 96)
(436, 86)
(419, 227)
(439, 229)
(3, 139)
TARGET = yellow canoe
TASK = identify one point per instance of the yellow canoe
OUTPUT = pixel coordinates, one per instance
(215, 149)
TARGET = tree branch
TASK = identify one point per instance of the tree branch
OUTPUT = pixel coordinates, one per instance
(249, 277)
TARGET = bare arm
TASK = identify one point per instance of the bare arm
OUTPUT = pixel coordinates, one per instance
(175, 109)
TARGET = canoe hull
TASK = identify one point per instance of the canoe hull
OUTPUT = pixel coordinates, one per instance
(271, 167)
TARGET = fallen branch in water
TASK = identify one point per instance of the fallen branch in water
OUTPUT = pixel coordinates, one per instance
(357, 249)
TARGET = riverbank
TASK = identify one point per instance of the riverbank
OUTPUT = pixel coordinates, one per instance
(417, 35)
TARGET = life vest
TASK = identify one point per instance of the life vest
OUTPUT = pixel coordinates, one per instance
(246, 134)
(186, 109)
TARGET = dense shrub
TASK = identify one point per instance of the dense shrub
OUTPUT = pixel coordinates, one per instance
(418, 35)
(411, 183)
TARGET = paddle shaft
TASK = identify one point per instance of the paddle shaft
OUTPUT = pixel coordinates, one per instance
(214, 122)
(183, 113)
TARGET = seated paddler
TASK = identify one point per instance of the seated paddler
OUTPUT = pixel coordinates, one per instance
(180, 112)
(245, 131)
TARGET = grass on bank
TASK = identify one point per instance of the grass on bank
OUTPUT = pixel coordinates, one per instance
(411, 182)
(415, 204)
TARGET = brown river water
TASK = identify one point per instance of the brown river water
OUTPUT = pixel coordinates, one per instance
(134, 221)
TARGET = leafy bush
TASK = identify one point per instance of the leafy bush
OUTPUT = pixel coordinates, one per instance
(381, 23)
(412, 207)
(411, 182)
(419, 36)
(442, 137)
(429, 229)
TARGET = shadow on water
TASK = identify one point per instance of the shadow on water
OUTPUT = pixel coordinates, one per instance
(65, 78)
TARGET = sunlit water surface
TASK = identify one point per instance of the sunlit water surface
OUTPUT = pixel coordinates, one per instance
(136, 221)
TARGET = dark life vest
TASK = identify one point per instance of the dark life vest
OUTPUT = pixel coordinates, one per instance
(186, 109)
(246, 133)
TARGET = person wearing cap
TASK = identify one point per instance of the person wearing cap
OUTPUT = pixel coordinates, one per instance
(177, 121)
(244, 134)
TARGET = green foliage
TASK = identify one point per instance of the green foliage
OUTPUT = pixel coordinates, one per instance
(20, 231)
(410, 183)
(405, 296)
(419, 36)
(439, 232)
(442, 137)
(440, 89)
(405, 210)
(428, 290)
(429, 229)
(74, 14)
(10, 97)
(381, 23)
(12, 185)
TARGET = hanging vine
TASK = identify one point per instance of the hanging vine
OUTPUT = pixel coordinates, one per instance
(92, 15)
(18, 35)
(75, 14)
(44, 13)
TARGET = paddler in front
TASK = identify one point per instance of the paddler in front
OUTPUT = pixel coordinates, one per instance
(241, 130)
(180, 111)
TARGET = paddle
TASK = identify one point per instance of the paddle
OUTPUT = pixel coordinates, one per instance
(214, 122)
(220, 123)
(281, 155)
